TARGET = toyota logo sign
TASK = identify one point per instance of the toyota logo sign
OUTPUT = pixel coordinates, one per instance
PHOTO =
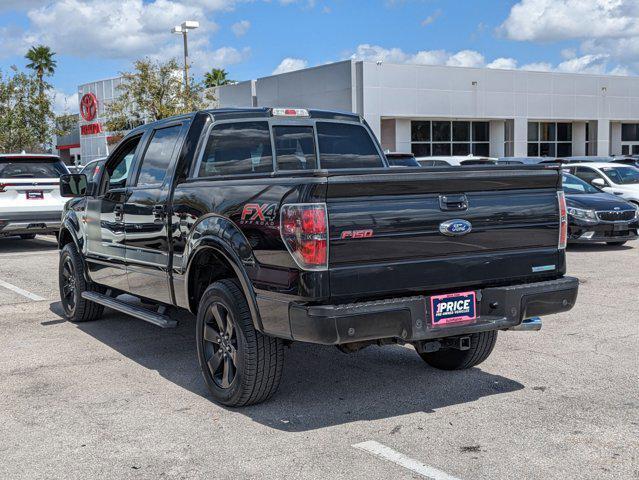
(89, 106)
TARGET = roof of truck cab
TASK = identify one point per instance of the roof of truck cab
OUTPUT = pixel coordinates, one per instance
(267, 112)
(27, 156)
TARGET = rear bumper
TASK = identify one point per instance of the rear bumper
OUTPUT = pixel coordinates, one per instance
(30, 222)
(408, 318)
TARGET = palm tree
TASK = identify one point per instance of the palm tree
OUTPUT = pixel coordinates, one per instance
(42, 63)
(216, 78)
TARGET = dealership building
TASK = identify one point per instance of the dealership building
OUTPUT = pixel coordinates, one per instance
(440, 110)
(434, 110)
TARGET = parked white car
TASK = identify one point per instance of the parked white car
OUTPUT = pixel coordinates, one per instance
(620, 180)
(30, 201)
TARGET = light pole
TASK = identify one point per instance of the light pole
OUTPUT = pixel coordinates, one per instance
(184, 29)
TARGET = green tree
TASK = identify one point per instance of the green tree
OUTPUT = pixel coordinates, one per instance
(216, 78)
(42, 63)
(20, 113)
(154, 90)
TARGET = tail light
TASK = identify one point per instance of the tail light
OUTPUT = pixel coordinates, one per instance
(304, 229)
(563, 220)
(2, 187)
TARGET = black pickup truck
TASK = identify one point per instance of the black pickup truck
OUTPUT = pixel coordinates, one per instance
(279, 225)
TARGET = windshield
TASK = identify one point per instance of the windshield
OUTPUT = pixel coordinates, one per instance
(622, 175)
(574, 185)
(31, 168)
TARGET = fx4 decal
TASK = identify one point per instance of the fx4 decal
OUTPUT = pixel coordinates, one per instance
(351, 234)
(259, 214)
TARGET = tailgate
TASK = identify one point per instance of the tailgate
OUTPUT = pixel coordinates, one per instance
(30, 195)
(390, 225)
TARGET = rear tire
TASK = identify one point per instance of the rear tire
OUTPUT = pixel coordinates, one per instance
(28, 236)
(481, 346)
(615, 244)
(240, 365)
(72, 283)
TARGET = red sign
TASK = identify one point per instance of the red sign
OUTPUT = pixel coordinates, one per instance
(90, 129)
(89, 106)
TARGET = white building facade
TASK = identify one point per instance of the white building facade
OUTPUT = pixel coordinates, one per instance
(94, 137)
(440, 110)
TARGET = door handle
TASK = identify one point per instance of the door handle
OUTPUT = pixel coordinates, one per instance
(118, 212)
(453, 202)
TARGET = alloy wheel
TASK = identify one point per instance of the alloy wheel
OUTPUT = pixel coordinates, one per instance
(220, 345)
(68, 284)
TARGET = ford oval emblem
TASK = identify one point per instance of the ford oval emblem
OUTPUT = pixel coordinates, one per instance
(455, 228)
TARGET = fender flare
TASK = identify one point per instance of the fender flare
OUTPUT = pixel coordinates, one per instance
(68, 227)
(226, 240)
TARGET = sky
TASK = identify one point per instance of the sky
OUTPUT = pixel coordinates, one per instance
(96, 39)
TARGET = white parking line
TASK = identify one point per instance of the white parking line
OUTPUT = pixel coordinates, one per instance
(402, 460)
(20, 291)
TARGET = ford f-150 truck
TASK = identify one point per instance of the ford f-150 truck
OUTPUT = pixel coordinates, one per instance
(279, 225)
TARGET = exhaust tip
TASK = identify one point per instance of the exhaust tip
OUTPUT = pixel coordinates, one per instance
(528, 325)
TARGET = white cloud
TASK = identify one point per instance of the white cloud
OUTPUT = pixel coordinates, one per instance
(290, 64)
(466, 58)
(63, 103)
(431, 18)
(503, 63)
(604, 27)
(240, 28)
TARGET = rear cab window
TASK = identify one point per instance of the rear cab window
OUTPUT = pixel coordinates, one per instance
(31, 167)
(254, 147)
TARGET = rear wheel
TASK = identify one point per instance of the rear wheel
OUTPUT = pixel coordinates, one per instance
(481, 346)
(615, 244)
(240, 365)
(72, 283)
(28, 236)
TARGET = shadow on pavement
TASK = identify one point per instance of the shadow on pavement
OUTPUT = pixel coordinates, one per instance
(320, 387)
(18, 245)
(598, 247)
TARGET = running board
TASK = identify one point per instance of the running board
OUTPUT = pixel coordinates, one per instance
(133, 310)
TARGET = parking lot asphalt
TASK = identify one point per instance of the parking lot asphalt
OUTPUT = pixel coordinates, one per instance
(119, 398)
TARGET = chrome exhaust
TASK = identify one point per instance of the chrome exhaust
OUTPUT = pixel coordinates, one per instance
(528, 325)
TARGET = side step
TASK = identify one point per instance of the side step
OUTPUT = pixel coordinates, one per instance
(133, 310)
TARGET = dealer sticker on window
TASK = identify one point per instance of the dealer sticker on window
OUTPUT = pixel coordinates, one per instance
(453, 308)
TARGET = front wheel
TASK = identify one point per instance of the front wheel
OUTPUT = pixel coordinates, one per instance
(481, 346)
(240, 365)
(615, 244)
(72, 283)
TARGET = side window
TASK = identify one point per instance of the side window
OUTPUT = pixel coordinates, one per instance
(295, 148)
(118, 168)
(237, 148)
(586, 174)
(344, 145)
(158, 156)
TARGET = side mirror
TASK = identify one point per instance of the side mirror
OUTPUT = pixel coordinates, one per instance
(598, 182)
(73, 185)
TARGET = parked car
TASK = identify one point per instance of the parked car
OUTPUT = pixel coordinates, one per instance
(610, 177)
(455, 161)
(632, 161)
(396, 159)
(520, 160)
(596, 216)
(30, 201)
(267, 235)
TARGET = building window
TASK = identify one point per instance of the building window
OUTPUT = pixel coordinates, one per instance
(446, 138)
(549, 139)
(630, 138)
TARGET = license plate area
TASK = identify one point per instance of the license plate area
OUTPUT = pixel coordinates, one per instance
(620, 227)
(35, 195)
(453, 308)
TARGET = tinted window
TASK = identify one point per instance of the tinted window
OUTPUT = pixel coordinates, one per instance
(343, 145)
(238, 148)
(421, 149)
(402, 160)
(630, 132)
(295, 148)
(441, 131)
(573, 185)
(622, 175)
(158, 156)
(91, 170)
(31, 168)
(586, 174)
(481, 132)
(119, 168)
(420, 131)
